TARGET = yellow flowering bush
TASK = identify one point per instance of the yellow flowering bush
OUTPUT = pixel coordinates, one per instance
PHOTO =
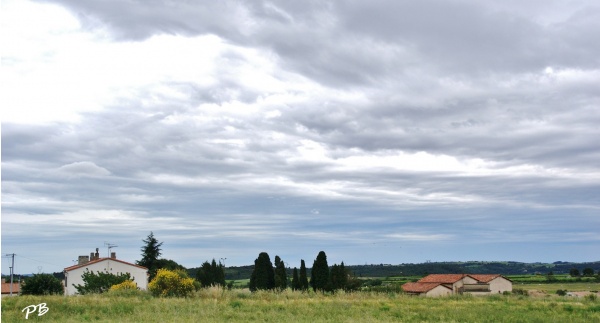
(171, 283)
(126, 285)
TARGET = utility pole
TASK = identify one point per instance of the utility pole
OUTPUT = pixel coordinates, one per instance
(12, 268)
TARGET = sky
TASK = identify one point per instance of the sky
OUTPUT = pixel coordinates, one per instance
(379, 132)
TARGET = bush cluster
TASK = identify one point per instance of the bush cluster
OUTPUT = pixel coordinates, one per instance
(126, 285)
(168, 283)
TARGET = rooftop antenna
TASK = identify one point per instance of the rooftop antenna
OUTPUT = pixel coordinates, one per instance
(109, 246)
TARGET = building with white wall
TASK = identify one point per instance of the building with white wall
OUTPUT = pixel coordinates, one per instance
(474, 284)
(112, 265)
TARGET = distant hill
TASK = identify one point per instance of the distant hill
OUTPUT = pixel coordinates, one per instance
(468, 267)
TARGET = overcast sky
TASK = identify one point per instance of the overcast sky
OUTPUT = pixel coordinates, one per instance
(377, 131)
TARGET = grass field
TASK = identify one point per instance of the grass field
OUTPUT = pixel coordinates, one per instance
(216, 305)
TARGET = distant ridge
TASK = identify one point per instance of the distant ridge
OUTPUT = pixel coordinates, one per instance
(422, 269)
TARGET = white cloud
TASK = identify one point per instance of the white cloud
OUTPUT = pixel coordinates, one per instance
(85, 168)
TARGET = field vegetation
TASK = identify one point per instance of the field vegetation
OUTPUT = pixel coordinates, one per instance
(220, 305)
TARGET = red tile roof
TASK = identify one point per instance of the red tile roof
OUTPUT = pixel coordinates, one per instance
(6, 288)
(421, 287)
(100, 260)
(442, 278)
(486, 278)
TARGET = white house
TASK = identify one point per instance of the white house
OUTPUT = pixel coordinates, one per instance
(112, 265)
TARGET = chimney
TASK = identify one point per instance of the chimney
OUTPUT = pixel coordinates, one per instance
(113, 255)
(97, 254)
(82, 260)
(91, 256)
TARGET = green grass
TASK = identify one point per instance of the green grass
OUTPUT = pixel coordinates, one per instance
(551, 288)
(216, 305)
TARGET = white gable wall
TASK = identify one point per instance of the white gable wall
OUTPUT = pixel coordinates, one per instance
(438, 291)
(499, 285)
(139, 275)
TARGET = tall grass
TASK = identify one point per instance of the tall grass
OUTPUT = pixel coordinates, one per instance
(218, 305)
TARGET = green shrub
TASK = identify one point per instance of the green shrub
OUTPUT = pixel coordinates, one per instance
(100, 282)
(519, 291)
(42, 284)
(561, 292)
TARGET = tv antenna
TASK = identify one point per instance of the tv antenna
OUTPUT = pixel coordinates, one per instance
(109, 246)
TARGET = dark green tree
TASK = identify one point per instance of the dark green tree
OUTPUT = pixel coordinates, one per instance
(168, 264)
(100, 282)
(280, 274)
(574, 272)
(205, 275)
(319, 276)
(588, 272)
(263, 275)
(42, 284)
(150, 254)
(295, 280)
(339, 276)
(303, 276)
(218, 272)
(211, 274)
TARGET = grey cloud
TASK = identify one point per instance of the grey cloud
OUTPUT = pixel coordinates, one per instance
(456, 79)
(350, 43)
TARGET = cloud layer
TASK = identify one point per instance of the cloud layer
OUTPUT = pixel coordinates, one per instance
(385, 132)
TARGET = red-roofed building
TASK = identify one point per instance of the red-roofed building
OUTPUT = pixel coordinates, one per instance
(495, 284)
(74, 274)
(427, 289)
(16, 287)
(459, 283)
(453, 281)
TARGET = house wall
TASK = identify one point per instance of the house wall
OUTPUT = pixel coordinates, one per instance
(438, 291)
(458, 286)
(500, 285)
(74, 276)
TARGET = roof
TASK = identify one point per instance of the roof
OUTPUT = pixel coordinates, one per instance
(101, 260)
(486, 278)
(421, 287)
(6, 288)
(442, 278)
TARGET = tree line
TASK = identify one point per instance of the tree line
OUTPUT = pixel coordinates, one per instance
(265, 276)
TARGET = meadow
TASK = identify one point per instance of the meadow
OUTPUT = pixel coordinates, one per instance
(237, 305)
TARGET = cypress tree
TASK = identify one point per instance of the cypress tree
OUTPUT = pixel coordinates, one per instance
(205, 275)
(319, 277)
(339, 276)
(280, 274)
(295, 280)
(303, 280)
(334, 275)
(220, 274)
(263, 275)
(343, 276)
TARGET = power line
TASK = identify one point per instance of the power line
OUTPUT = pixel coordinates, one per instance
(40, 261)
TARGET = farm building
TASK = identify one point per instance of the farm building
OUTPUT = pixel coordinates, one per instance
(459, 284)
(427, 289)
(73, 274)
(496, 284)
(6, 290)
